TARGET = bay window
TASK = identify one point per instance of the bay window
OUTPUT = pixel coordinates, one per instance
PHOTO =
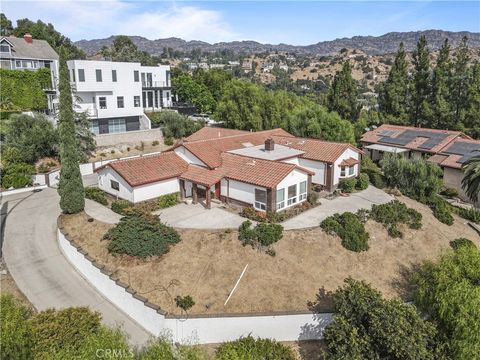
(280, 199)
(303, 191)
(292, 194)
(260, 199)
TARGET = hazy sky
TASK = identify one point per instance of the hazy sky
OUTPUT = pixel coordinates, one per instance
(298, 23)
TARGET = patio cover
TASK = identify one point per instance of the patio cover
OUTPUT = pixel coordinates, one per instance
(390, 149)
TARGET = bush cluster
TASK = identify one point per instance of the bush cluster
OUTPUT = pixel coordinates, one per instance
(470, 214)
(142, 235)
(441, 209)
(17, 175)
(96, 194)
(279, 216)
(347, 185)
(457, 243)
(362, 182)
(121, 206)
(249, 348)
(184, 302)
(373, 172)
(393, 213)
(261, 236)
(449, 192)
(168, 200)
(349, 228)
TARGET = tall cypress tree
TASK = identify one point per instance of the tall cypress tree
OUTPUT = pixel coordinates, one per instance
(343, 93)
(460, 82)
(393, 96)
(441, 116)
(420, 109)
(70, 187)
(472, 113)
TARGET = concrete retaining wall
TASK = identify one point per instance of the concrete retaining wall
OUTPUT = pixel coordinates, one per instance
(22, 190)
(130, 137)
(200, 329)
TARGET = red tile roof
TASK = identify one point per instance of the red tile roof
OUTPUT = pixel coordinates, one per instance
(207, 133)
(148, 169)
(374, 136)
(444, 158)
(349, 162)
(320, 150)
(202, 176)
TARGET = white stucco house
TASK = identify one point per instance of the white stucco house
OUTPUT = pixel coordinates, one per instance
(116, 95)
(270, 170)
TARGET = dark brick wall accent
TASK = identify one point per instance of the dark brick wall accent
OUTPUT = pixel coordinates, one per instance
(272, 199)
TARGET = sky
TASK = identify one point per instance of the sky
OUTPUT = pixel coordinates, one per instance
(296, 23)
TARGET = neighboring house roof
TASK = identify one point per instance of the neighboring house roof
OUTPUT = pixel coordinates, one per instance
(319, 150)
(455, 154)
(420, 139)
(21, 49)
(148, 169)
(280, 152)
(210, 151)
(207, 133)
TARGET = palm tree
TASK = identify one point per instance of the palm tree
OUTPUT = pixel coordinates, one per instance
(471, 180)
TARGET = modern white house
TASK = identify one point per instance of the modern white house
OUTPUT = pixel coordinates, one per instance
(116, 95)
(269, 170)
(28, 54)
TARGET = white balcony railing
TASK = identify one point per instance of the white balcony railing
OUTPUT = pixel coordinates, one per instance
(154, 84)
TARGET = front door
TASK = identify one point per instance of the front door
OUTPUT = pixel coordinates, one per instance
(150, 99)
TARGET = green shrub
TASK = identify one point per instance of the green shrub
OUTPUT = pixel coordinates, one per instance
(96, 194)
(249, 348)
(163, 348)
(457, 243)
(441, 210)
(393, 213)
(120, 206)
(262, 235)
(142, 235)
(17, 175)
(470, 214)
(155, 142)
(377, 180)
(54, 330)
(11, 155)
(450, 192)
(362, 182)
(184, 302)
(312, 198)
(374, 173)
(168, 200)
(15, 329)
(250, 213)
(169, 141)
(347, 185)
(349, 228)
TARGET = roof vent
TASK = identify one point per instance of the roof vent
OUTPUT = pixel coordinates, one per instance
(28, 38)
(269, 145)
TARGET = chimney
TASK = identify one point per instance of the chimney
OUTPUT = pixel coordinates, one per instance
(28, 38)
(269, 144)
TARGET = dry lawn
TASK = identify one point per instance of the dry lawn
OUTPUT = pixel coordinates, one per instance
(206, 264)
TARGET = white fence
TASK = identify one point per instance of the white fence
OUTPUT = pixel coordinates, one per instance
(201, 329)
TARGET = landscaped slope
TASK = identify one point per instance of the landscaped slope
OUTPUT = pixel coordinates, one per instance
(206, 264)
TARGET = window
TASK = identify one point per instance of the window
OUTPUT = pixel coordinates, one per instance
(102, 101)
(351, 170)
(98, 74)
(114, 185)
(136, 101)
(342, 171)
(114, 75)
(260, 199)
(292, 195)
(81, 75)
(73, 75)
(120, 102)
(116, 125)
(280, 199)
(303, 191)
(4, 48)
(136, 76)
(95, 128)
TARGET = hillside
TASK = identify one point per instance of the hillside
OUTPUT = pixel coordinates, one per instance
(371, 45)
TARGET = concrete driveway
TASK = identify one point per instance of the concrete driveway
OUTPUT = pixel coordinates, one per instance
(197, 217)
(40, 270)
(356, 201)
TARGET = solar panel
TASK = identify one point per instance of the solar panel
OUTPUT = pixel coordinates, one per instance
(409, 135)
(465, 149)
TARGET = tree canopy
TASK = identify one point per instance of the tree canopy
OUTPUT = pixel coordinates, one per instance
(343, 93)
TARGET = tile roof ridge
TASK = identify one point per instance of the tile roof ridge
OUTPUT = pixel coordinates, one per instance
(246, 133)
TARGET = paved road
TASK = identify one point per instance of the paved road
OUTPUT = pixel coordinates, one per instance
(39, 268)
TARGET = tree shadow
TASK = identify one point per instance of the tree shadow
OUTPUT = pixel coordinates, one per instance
(322, 309)
(403, 284)
(311, 349)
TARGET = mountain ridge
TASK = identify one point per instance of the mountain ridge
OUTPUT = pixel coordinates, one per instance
(372, 45)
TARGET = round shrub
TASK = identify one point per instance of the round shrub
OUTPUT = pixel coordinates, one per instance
(393, 213)
(312, 198)
(15, 329)
(441, 210)
(184, 302)
(120, 206)
(96, 194)
(362, 182)
(168, 200)
(142, 235)
(169, 141)
(377, 180)
(349, 228)
(17, 175)
(249, 348)
(54, 330)
(268, 234)
(347, 185)
(460, 242)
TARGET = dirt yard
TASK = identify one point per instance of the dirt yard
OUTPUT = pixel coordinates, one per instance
(206, 264)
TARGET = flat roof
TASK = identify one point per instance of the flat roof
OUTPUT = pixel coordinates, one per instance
(258, 152)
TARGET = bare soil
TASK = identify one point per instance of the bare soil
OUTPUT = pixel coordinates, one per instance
(207, 264)
(8, 286)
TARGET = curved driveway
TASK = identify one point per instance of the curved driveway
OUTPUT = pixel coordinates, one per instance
(40, 270)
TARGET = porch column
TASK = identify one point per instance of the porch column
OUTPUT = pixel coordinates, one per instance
(194, 194)
(182, 189)
(272, 200)
(309, 184)
(329, 183)
(207, 198)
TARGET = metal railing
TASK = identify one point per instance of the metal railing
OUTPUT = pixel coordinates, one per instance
(154, 84)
